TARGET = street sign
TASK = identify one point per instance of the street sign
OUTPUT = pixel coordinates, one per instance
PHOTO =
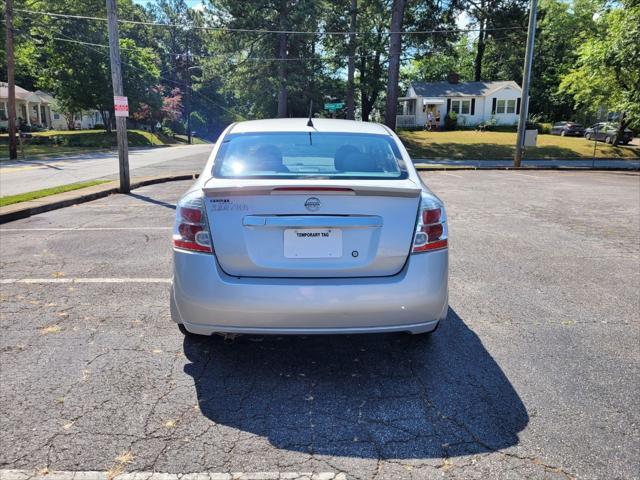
(333, 107)
(121, 106)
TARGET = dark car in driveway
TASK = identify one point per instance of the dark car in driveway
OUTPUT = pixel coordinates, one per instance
(608, 132)
(567, 129)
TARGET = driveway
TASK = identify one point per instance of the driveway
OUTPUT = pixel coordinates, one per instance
(27, 176)
(534, 374)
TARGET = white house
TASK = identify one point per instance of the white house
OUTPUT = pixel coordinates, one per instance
(30, 107)
(39, 109)
(473, 102)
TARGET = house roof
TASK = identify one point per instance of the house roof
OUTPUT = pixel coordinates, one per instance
(462, 89)
(45, 97)
(25, 95)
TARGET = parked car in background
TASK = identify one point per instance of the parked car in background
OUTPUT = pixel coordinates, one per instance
(567, 129)
(301, 227)
(607, 132)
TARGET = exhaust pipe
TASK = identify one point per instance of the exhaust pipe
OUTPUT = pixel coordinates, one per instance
(229, 338)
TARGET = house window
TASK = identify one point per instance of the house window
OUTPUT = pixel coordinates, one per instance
(3, 112)
(461, 106)
(56, 116)
(506, 106)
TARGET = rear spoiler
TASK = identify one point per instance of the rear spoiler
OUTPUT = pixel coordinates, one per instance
(216, 187)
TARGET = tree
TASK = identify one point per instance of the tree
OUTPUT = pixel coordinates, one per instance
(371, 64)
(493, 19)
(395, 47)
(266, 73)
(607, 71)
(436, 64)
(351, 68)
(69, 58)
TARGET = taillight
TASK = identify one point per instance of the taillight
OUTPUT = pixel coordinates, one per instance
(431, 231)
(191, 231)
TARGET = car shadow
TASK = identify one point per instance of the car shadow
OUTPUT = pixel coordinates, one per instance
(368, 396)
(146, 198)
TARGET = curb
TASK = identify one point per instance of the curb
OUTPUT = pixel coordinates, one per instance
(75, 197)
(550, 167)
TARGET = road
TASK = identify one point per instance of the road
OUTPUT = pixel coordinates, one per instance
(556, 163)
(534, 374)
(21, 177)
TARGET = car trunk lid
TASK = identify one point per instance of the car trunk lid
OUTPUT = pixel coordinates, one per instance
(311, 228)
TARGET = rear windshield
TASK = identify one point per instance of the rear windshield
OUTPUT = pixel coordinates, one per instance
(308, 155)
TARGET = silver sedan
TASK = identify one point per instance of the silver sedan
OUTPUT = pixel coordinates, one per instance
(309, 229)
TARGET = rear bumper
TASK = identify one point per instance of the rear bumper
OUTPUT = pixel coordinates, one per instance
(206, 300)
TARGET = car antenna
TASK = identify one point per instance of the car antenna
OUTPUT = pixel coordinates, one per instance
(310, 121)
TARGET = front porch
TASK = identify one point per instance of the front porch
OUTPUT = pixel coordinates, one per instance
(33, 112)
(31, 108)
(414, 111)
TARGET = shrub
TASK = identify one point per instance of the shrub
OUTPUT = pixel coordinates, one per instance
(451, 121)
(166, 131)
(198, 122)
(174, 125)
(544, 127)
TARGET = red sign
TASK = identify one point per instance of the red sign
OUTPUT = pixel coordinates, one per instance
(121, 105)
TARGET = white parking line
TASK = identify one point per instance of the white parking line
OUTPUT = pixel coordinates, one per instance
(8, 281)
(529, 175)
(79, 229)
(72, 475)
(452, 174)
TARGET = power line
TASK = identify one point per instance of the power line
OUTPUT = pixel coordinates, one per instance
(260, 30)
(90, 46)
(220, 55)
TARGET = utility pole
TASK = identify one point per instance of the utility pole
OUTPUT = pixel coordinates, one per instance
(524, 102)
(188, 93)
(116, 79)
(11, 82)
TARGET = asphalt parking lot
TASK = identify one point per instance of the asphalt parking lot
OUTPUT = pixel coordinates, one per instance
(535, 373)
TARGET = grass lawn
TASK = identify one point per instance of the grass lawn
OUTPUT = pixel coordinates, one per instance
(194, 140)
(53, 142)
(470, 145)
(45, 192)
(32, 151)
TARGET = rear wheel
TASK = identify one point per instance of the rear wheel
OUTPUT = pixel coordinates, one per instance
(607, 139)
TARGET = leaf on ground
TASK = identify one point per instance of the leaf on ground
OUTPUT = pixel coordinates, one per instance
(50, 329)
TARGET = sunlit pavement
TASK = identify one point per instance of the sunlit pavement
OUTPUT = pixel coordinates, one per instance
(31, 175)
(606, 164)
(533, 375)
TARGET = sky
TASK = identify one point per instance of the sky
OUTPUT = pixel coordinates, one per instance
(190, 3)
(462, 21)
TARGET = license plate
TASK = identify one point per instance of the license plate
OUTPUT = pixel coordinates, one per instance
(312, 243)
